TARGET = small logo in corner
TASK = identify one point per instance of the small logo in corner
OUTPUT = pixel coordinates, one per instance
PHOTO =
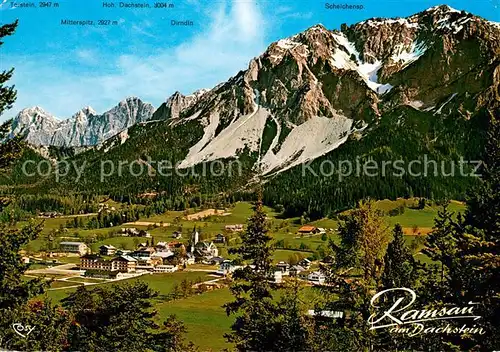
(22, 330)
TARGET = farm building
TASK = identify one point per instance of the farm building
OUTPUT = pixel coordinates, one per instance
(309, 230)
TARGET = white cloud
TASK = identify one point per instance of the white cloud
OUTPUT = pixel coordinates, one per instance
(87, 56)
(142, 29)
(234, 34)
(298, 15)
(287, 12)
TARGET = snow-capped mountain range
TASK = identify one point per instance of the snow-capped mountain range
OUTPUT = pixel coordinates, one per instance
(84, 128)
(320, 86)
(308, 94)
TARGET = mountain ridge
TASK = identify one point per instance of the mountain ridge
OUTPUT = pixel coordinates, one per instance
(377, 49)
(357, 74)
(428, 82)
(85, 128)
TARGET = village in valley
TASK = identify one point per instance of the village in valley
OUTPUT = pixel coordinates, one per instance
(169, 257)
(182, 252)
(187, 255)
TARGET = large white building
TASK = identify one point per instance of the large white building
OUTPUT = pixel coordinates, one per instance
(227, 267)
(234, 228)
(165, 268)
(74, 247)
(95, 262)
(107, 249)
(316, 277)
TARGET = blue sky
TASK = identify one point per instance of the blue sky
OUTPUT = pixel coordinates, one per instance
(64, 68)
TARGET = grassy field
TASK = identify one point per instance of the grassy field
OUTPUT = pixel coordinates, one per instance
(50, 224)
(87, 280)
(69, 260)
(206, 320)
(414, 222)
(163, 283)
(50, 276)
(203, 315)
(59, 284)
(422, 218)
(34, 265)
(283, 255)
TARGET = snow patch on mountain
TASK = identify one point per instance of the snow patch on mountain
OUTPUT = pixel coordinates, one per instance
(459, 25)
(341, 59)
(407, 56)
(452, 23)
(439, 111)
(444, 8)
(369, 73)
(341, 39)
(379, 22)
(287, 43)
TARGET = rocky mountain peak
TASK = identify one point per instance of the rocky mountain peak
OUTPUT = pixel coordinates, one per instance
(315, 43)
(130, 101)
(179, 102)
(353, 75)
(200, 92)
(35, 111)
(85, 128)
(323, 84)
(442, 9)
(83, 114)
(88, 110)
(34, 116)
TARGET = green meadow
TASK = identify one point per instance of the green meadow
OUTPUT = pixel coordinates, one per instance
(414, 222)
(203, 314)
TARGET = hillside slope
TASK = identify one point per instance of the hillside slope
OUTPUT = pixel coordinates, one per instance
(382, 89)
